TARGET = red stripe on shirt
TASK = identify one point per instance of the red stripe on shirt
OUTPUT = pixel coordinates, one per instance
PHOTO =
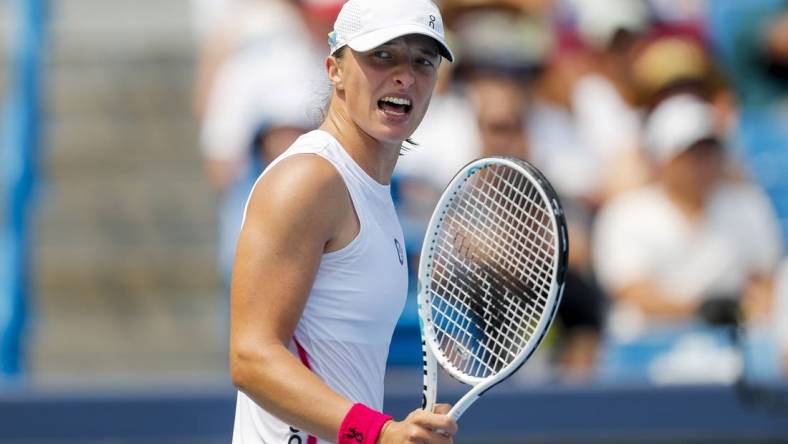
(302, 353)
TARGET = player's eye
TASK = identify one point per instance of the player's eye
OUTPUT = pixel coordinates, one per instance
(425, 61)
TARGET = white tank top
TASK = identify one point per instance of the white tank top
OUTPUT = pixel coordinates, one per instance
(359, 292)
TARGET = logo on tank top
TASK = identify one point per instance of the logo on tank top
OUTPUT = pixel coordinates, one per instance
(295, 436)
(400, 252)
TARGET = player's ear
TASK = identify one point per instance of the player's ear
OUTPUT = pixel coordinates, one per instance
(334, 69)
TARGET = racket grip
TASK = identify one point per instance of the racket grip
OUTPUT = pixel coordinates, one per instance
(453, 416)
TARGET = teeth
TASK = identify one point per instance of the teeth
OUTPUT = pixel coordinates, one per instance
(396, 100)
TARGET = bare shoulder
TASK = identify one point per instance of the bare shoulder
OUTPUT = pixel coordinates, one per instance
(304, 191)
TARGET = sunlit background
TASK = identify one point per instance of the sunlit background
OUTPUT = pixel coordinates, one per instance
(131, 132)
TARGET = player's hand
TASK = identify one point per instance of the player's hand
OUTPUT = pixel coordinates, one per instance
(421, 427)
(441, 409)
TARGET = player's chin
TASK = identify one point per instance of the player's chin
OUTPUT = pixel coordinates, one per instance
(394, 133)
(400, 130)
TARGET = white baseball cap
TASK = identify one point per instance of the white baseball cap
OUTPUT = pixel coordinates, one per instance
(676, 124)
(598, 20)
(366, 24)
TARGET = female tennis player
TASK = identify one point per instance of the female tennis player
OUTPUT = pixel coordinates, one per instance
(320, 276)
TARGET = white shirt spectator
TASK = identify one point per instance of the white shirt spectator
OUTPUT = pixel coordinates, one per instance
(579, 149)
(559, 151)
(642, 235)
(275, 78)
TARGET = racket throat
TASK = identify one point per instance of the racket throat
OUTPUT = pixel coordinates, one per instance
(460, 406)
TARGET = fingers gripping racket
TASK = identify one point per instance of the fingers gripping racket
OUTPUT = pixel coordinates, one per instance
(491, 275)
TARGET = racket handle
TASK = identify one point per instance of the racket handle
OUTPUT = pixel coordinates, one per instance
(430, 377)
(430, 381)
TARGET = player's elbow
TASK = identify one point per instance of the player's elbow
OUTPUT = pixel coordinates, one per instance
(244, 363)
(251, 361)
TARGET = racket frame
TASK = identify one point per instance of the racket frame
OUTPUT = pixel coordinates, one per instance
(430, 351)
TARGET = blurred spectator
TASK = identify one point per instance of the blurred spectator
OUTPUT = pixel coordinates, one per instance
(259, 80)
(481, 102)
(228, 28)
(692, 236)
(606, 25)
(676, 60)
(485, 111)
(270, 72)
(583, 130)
(665, 65)
(499, 49)
(585, 125)
(500, 105)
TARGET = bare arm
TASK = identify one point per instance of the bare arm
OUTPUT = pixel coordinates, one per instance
(294, 212)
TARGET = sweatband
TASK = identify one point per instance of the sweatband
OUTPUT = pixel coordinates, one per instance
(361, 425)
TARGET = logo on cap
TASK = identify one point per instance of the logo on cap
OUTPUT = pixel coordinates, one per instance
(432, 21)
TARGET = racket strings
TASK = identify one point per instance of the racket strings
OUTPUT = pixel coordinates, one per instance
(470, 316)
(509, 258)
(458, 343)
(455, 318)
(528, 239)
(537, 237)
(517, 237)
(539, 279)
(503, 336)
(458, 338)
(492, 271)
(530, 211)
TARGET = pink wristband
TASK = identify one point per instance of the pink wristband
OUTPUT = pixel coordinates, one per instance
(361, 425)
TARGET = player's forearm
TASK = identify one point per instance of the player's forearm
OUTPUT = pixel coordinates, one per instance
(284, 387)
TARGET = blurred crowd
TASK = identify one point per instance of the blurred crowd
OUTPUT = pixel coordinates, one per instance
(663, 124)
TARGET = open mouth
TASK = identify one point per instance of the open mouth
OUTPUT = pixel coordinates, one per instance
(395, 105)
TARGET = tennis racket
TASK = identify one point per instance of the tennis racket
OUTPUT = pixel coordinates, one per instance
(491, 275)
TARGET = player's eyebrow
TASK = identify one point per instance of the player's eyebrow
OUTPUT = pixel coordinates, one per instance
(428, 51)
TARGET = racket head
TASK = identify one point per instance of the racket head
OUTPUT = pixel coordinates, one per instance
(492, 269)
